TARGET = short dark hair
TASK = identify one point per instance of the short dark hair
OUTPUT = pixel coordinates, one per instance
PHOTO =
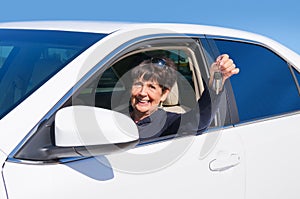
(165, 75)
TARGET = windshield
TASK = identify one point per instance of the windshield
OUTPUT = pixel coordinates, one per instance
(28, 58)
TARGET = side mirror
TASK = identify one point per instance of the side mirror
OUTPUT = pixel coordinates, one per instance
(90, 131)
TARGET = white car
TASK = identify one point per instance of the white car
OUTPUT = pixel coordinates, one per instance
(62, 136)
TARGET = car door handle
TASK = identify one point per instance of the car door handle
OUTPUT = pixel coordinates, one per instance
(224, 163)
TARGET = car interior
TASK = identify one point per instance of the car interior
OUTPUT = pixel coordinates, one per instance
(111, 89)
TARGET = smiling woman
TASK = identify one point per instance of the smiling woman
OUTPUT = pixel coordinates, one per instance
(152, 82)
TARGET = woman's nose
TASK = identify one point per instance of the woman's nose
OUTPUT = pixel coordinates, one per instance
(143, 90)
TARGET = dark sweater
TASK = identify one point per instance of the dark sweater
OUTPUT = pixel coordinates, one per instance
(161, 123)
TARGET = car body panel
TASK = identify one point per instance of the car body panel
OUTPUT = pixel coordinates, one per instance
(137, 173)
(270, 148)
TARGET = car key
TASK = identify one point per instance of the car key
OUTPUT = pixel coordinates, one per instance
(217, 82)
(218, 78)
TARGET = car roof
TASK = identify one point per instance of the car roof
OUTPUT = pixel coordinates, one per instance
(108, 27)
(78, 26)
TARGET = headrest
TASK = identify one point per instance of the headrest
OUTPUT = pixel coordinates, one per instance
(173, 97)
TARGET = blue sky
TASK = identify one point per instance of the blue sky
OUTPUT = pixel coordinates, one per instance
(279, 20)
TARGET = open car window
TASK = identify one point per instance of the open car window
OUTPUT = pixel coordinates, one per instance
(115, 81)
(111, 89)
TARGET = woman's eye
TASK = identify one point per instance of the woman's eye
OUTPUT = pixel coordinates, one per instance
(137, 84)
(152, 87)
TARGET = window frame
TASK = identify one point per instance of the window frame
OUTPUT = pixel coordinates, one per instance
(175, 43)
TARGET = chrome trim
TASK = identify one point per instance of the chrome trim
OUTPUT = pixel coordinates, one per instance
(18, 161)
(4, 182)
(233, 39)
(86, 77)
(294, 77)
(254, 121)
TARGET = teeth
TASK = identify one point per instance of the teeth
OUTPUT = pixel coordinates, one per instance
(143, 101)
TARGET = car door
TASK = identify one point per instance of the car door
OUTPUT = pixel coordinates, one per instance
(268, 103)
(208, 165)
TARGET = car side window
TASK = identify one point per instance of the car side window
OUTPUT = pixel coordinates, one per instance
(114, 81)
(264, 86)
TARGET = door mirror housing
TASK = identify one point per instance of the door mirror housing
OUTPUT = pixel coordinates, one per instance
(90, 131)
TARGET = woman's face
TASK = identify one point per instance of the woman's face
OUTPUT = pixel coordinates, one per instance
(146, 97)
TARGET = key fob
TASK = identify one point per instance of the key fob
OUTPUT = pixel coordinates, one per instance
(217, 82)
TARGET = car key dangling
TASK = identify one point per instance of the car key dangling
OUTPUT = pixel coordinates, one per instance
(218, 79)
